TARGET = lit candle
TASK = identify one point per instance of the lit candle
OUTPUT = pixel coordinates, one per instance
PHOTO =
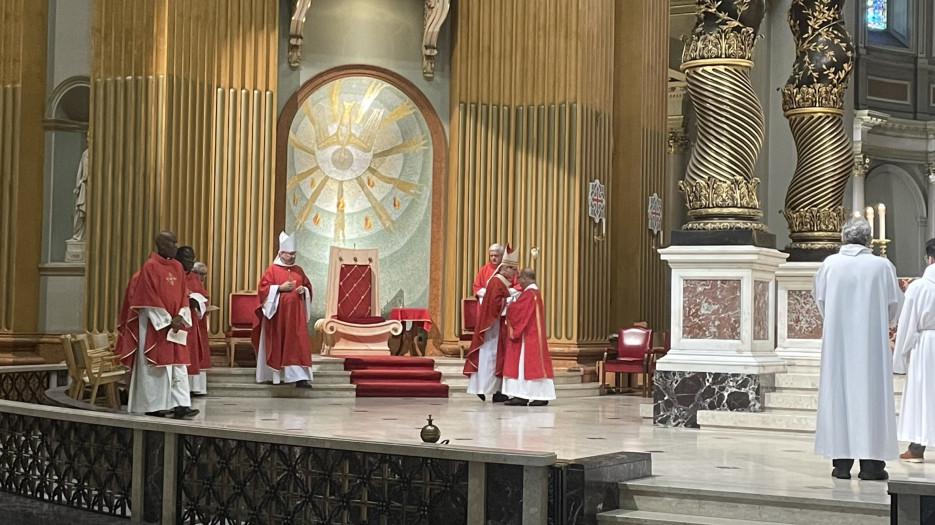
(881, 209)
(870, 219)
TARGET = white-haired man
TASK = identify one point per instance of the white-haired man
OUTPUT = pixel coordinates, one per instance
(280, 332)
(494, 256)
(859, 298)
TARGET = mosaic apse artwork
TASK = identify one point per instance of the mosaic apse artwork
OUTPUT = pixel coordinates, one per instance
(358, 174)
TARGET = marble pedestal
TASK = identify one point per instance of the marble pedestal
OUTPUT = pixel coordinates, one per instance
(722, 354)
(798, 321)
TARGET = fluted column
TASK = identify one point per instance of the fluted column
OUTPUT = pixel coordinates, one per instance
(719, 187)
(813, 101)
(23, 29)
(930, 224)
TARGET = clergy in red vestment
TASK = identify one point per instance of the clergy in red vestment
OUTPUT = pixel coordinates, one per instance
(150, 335)
(527, 366)
(494, 256)
(280, 332)
(198, 347)
(484, 361)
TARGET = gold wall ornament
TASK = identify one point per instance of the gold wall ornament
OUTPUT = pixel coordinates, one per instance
(436, 12)
(813, 99)
(719, 185)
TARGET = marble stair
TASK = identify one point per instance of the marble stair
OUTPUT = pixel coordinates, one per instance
(332, 381)
(656, 501)
(791, 407)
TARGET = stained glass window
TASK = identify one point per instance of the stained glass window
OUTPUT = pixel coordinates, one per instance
(876, 14)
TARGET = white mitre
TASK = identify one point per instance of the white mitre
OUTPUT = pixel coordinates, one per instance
(286, 242)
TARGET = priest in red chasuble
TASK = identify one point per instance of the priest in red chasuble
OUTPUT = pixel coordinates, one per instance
(280, 332)
(494, 256)
(484, 361)
(198, 347)
(151, 335)
(527, 367)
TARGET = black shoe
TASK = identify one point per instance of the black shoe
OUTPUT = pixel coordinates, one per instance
(482, 397)
(539, 403)
(199, 394)
(516, 402)
(840, 474)
(303, 384)
(875, 475)
(184, 413)
(500, 398)
(158, 413)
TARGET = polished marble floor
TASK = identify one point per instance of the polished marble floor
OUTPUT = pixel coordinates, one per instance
(776, 463)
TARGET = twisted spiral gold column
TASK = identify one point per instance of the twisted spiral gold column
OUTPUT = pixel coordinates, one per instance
(719, 187)
(813, 101)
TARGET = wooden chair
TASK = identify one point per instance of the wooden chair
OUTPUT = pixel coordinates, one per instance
(76, 374)
(633, 354)
(102, 369)
(468, 322)
(242, 308)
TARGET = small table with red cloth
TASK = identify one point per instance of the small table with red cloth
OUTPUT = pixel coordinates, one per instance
(413, 316)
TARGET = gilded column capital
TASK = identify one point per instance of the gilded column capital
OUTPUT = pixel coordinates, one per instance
(677, 141)
(436, 11)
(861, 166)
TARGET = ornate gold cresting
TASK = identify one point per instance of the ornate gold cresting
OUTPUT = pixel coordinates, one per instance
(719, 187)
(813, 101)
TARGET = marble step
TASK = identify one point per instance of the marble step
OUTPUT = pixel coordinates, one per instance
(642, 517)
(703, 499)
(280, 391)
(770, 419)
(799, 381)
(792, 400)
(561, 391)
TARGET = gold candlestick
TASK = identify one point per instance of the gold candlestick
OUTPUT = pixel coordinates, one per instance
(882, 244)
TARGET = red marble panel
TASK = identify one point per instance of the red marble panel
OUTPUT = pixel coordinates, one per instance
(711, 309)
(803, 320)
(760, 310)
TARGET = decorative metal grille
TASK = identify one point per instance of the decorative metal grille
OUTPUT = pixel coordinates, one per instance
(26, 387)
(74, 464)
(227, 481)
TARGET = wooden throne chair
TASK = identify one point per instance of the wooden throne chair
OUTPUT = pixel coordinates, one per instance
(352, 323)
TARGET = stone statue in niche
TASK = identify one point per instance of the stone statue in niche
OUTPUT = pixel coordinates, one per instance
(74, 247)
(81, 202)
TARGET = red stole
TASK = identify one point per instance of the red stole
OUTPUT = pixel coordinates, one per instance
(198, 345)
(488, 314)
(286, 338)
(160, 283)
(525, 323)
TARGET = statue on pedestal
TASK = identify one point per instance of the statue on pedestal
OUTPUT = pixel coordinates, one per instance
(74, 247)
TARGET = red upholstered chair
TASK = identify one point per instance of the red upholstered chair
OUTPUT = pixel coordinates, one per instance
(632, 355)
(352, 323)
(468, 321)
(242, 313)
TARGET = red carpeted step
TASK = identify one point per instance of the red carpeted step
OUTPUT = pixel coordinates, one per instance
(402, 389)
(389, 361)
(394, 374)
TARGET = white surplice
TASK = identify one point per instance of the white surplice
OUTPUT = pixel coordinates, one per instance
(859, 297)
(485, 380)
(915, 355)
(154, 388)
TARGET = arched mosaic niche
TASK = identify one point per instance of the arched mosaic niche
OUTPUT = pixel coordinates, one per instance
(360, 153)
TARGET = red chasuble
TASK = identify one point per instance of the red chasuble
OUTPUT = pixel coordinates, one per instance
(160, 283)
(485, 273)
(525, 323)
(488, 314)
(198, 345)
(287, 332)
